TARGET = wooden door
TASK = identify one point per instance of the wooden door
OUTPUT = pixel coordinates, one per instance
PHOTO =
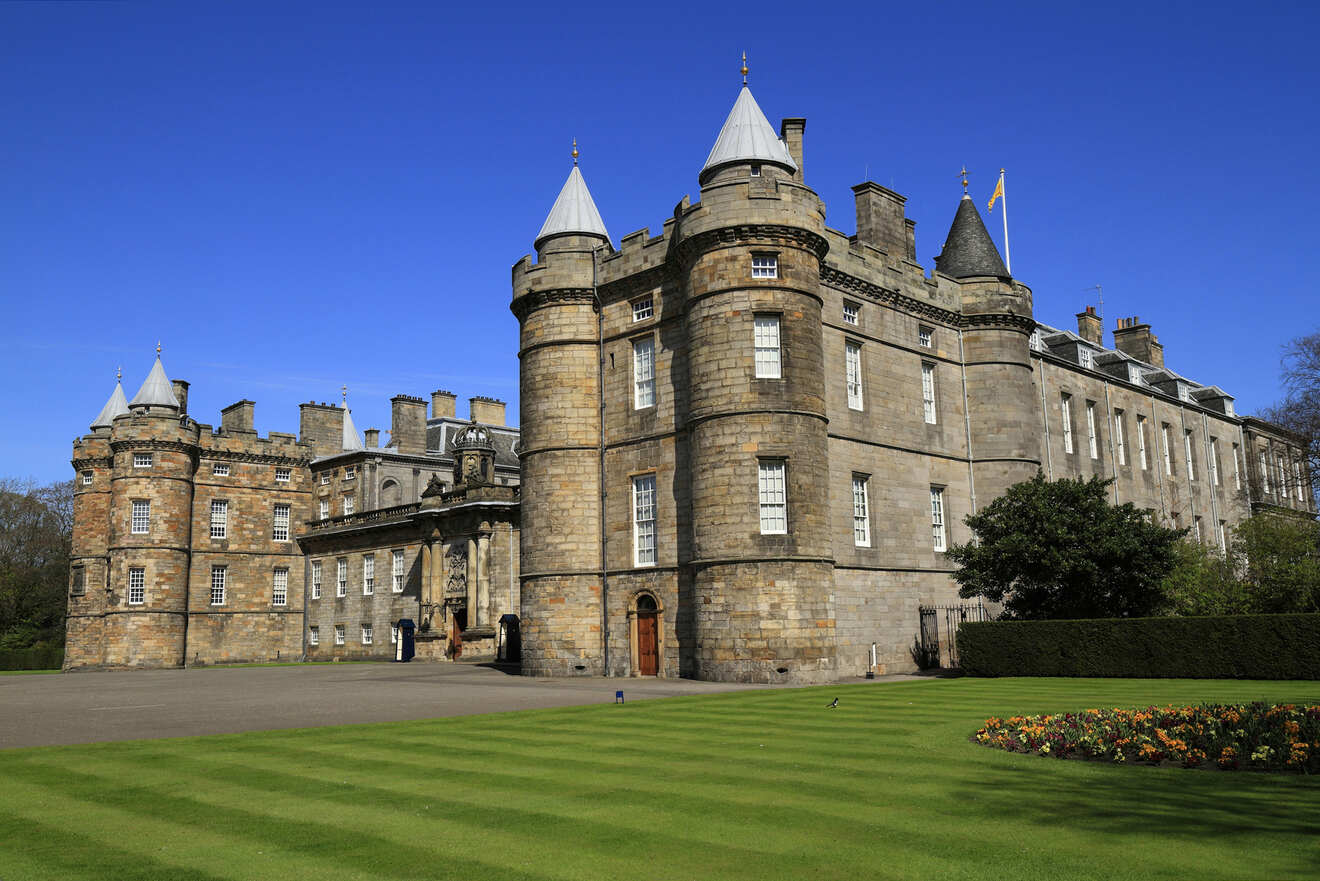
(648, 650)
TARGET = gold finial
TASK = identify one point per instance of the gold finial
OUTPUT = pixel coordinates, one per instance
(744, 68)
(575, 151)
(157, 348)
(963, 173)
(119, 373)
(344, 390)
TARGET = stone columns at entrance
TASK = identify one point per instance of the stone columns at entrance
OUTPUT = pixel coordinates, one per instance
(427, 582)
(474, 616)
(483, 575)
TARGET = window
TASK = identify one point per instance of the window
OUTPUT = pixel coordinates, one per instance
(316, 579)
(141, 460)
(765, 266)
(313, 635)
(137, 586)
(1223, 536)
(928, 391)
(220, 470)
(756, 169)
(1168, 456)
(925, 336)
(1120, 437)
(644, 520)
(1141, 441)
(1187, 449)
(1237, 471)
(279, 530)
(219, 518)
(325, 478)
(1034, 341)
(1196, 528)
(325, 509)
(87, 478)
(1090, 430)
(339, 634)
(937, 518)
(767, 346)
(1214, 461)
(350, 505)
(851, 311)
(279, 591)
(1297, 479)
(1065, 407)
(142, 515)
(366, 634)
(396, 571)
(350, 472)
(368, 575)
(1264, 477)
(861, 512)
(78, 587)
(852, 353)
(341, 577)
(394, 634)
(773, 496)
(643, 309)
(643, 373)
(1084, 357)
(282, 475)
(218, 585)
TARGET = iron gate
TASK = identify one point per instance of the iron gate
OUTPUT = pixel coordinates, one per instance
(934, 649)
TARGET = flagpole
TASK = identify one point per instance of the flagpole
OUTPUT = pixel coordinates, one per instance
(1008, 260)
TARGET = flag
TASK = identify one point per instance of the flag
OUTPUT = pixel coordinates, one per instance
(998, 194)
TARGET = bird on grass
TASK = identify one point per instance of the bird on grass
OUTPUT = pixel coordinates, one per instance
(833, 704)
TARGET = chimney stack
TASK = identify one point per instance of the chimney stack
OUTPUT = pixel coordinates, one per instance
(1089, 327)
(880, 220)
(322, 426)
(373, 438)
(180, 389)
(408, 424)
(442, 404)
(237, 417)
(791, 130)
(1134, 339)
(488, 411)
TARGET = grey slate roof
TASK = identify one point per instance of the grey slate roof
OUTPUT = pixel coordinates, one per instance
(116, 406)
(573, 212)
(747, 137)
(969, 250)
(155, 390)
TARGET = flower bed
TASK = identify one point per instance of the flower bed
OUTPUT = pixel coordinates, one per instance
(1258, 736)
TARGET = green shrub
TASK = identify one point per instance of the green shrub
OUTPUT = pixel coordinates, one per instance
(38, 657)
(1221, 647)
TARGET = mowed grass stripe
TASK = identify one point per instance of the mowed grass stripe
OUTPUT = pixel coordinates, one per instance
(761, 784)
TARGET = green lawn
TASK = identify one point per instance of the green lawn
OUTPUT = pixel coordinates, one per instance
(756, 785)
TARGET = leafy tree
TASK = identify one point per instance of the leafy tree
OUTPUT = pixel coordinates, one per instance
(1203, 582)
(1059, 549)
(1279, 556)
(1299, 412)
(36, 528)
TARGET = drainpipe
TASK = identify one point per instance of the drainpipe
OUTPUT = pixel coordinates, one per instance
(1113, 442)
(1045, 419)
(967, 422)
(600, 390)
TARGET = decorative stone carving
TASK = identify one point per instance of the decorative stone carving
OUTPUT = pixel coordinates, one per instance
(456, 584)
(433, 487)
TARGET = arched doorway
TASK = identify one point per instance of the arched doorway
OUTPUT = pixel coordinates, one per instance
(647, 639)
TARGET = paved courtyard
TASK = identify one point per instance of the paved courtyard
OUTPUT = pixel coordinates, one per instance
(42, 710)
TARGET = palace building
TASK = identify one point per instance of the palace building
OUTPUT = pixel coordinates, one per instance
(744, 446)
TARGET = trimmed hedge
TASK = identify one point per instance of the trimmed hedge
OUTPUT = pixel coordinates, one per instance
(1221, 647)
(40, 657)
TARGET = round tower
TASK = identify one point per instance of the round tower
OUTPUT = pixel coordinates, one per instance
(154, 456)
(559, 392)
(761, 576)
(997, 326)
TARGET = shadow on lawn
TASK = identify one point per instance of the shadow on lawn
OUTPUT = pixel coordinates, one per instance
(1192, 805)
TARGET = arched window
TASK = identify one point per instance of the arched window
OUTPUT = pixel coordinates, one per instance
(646, 603)
(390, 494)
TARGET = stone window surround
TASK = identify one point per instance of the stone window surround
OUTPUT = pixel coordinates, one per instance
(367, 634)
(853, 371)
(643, 308)
(137, 585)
(643, 371)
(140, 525)
(925, 336)
(772, 493)
(283, 475)
(87, 478)
(219, 519)
(281, 516)
(341, 577)
(218, 585)
(938, 519)
(142, 460)
(316, 579)
(929, 394)
(764, 366)
(339, 634)
(765, 264)
(634, 662)
(313, 635)
(368, 575)
(220, 469)
(861, 510)
(279, 589)
(852, 313)
(635, 481)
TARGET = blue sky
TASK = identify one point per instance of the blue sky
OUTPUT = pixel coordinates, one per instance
(296, 196)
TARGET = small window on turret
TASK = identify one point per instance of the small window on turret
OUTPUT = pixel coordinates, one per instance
(141, 460)
(220, 470)
(87, 478)
(282, 475)
(851, 311)
(756, 171)
(78, 588)
(765, 266)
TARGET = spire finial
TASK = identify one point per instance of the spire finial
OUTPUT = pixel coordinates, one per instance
(575, 151)
(744, 68)
(119, 373)
(344, 390)
(963, 173)
(157, 348)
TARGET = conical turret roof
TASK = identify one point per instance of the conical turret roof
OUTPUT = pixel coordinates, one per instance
(116, 406)
(747, 137)
(156, 391)
(969, 250)
(574, 212)
(352, 440)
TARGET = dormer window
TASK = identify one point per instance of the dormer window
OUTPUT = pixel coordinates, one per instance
(1084, 357)
(765, 266)
(1034, 342)
(756, 170)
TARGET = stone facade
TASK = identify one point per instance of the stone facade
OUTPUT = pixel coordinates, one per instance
(915, 388)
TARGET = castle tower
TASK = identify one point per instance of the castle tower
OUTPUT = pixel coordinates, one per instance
(997, 326)
(761, 575)
(559, 388)
(154, 454)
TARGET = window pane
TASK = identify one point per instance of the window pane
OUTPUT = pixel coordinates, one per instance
(861, 514)
(773, 497)
(853, 369)
(767, 346)
(643, 373)
(644, 520)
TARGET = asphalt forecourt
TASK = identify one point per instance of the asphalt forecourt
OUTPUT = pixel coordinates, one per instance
(749, 784)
